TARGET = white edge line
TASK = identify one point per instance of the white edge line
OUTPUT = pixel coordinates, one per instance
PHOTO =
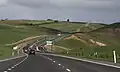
(13, 67)
(84, 60)
(54, 61)
(59, 64)
(12, 58)
(21, 61)
(9, 69)
(68, 70)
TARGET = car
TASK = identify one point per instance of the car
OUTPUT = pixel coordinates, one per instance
(32, 52)
(25, 51)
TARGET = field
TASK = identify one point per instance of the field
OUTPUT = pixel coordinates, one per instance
(78, 44)
(108, 35)
(10, 34)
(72, 27)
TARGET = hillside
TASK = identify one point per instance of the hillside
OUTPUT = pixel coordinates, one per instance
(102, 40)
(12, 31)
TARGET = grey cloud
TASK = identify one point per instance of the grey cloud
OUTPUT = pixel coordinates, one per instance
(3, 2)
(15, 12)
(77, 10)
(32, 3)
(81, 4)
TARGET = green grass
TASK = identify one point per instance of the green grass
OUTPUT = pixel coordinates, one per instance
(80, 49)
(104, 35)
(72, 27)
(10, 34)
(25, 22)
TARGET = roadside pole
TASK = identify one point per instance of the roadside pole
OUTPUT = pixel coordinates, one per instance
(114, 56)
(14, 49)
(18, 51)
(13, 53)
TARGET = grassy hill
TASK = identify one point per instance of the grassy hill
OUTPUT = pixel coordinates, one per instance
(83, 47)
(15, 30)
(72, 26)
(10, 34)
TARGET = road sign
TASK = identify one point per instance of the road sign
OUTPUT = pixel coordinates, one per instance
(49, 42)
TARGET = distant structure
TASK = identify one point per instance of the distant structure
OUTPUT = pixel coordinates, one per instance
(49, 19)
(68, 20)
(6, 19)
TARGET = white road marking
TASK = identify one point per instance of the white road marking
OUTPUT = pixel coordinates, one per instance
(5, 71)
(68, 70)
(12, 58)
(18, 63)
(59, 64)
(99, 63)
(21, 61)
(54, 62)
(13, 67)
(50, 59)
(46, 57)
(9, 69)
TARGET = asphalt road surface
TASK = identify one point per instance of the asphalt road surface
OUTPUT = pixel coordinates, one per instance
(8, 63)
(46, 63)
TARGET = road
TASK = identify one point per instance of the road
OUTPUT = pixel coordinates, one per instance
(47, 63)
(8, 63)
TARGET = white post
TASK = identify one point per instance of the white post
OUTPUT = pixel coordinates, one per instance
(13, 53)
(114, 54)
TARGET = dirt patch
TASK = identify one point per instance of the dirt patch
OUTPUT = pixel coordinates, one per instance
(97, 43)
(74, 37)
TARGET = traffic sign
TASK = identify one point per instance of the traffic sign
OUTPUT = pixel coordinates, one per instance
(49, 42)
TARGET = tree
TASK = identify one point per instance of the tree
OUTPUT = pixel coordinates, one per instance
(68, 20)
(49, 19)
(56, 21)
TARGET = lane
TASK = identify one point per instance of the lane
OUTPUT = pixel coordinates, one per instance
(80, 66)
(38, 63)
(8, 63)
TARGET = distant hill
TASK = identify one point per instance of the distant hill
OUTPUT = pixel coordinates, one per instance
(113, 28)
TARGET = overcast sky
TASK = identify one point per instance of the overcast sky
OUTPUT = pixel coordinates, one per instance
(107, 11)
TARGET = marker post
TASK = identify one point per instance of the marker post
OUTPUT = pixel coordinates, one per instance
(114, 57)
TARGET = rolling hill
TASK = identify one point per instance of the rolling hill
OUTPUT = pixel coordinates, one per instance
(101, 41)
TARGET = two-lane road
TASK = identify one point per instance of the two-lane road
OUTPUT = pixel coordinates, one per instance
(47, 63)
(38, 63)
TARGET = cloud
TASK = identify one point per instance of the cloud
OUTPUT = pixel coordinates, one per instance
(32, 3)
(77, 10)
(81, 4)
(3, 2)
(16, 12)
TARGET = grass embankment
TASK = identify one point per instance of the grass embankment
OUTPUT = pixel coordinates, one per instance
(108, 35)
(26, 22)
(11, 34)
(72, 27)
(80, 49)
(12, 31)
